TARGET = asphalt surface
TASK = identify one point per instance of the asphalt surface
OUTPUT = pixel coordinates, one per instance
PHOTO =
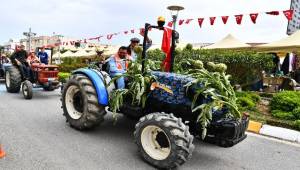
(35, 136)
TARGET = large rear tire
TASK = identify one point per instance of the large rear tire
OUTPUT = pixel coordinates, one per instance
(80, 103)
(163, 140)
(27, 89)
(13, 80)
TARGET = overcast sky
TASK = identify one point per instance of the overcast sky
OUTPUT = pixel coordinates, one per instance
(90, 18)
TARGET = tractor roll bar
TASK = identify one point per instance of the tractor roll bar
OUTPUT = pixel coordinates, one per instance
(175, 36)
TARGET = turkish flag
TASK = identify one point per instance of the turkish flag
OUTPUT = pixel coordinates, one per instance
(225, 19)
(142, 31)
(238, 19)
(253, 17)
(109, 36)
(166, 48)
(170, 24)
(188, 21)
(212, 20)
(273, 13)
(181, 21)
(288, 14)
(200, 21)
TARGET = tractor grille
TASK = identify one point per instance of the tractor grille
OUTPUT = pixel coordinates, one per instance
(50, 74)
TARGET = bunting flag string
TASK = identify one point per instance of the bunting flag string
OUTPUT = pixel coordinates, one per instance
(225, 19)
(212, 20)
(253, 17)
(238, 19)
(200, 21)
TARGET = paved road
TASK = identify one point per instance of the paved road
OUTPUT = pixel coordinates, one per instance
(35, 136)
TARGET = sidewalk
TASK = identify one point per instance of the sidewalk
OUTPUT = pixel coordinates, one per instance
(272, 131)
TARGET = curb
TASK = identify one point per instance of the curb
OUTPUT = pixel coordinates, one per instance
(272, 131)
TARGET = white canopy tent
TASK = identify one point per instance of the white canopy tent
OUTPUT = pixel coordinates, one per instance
(56, 55)
(229, 42)
(81, 53)
(292, 41)
(67, 54)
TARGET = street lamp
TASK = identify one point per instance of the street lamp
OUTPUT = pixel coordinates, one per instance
(174, 9)
(29, 35)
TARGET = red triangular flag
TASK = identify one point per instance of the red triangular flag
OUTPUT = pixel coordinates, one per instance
(253, 17)
(225, 19)
(212, 20)
(273, 12)
(188, 21)
(125, 32)
(200, 21)
(181, 21)
(170, 24)
(288, 14)
(142, 31)
(109, 36)
(238, 19)
(132, 31)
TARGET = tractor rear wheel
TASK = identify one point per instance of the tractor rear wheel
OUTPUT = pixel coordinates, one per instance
(163, 140)
(80, 103)
(13, 80)
(27, 89)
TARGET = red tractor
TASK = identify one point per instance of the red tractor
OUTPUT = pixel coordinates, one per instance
(42, 76)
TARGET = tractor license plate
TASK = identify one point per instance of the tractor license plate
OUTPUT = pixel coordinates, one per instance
(51, 79)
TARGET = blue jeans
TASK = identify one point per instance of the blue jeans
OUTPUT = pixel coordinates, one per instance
(120, 81)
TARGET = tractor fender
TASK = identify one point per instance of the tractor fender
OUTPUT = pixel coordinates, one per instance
(98, 82)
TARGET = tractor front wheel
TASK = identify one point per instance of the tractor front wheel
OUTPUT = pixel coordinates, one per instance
(80, 103)
(27, 89)
(163, 140)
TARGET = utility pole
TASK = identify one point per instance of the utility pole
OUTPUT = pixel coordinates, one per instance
(29, 35)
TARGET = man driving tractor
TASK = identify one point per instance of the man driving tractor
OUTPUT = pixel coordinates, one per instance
(118, 64)
(19, 59)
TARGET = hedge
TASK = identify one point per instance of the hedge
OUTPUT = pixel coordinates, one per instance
(286, 105)
(244, 66)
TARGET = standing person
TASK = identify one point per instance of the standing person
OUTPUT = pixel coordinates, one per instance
(43, 56)
(134, 42)
(19, 59)
(290, 63)
(118, 64)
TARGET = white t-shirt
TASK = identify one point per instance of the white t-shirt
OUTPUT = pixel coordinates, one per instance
(291, 62)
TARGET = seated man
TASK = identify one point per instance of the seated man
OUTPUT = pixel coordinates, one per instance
(118, 64)
(19, 58)
(32, 58)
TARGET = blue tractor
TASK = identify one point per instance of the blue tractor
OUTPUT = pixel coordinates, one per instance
(162, 133)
